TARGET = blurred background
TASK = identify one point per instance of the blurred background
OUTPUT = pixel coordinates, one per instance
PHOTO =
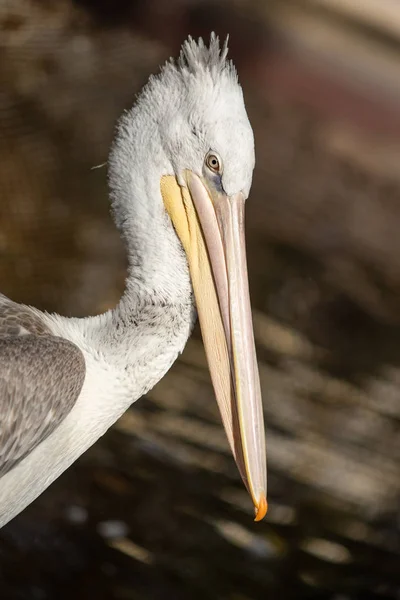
(156, 510)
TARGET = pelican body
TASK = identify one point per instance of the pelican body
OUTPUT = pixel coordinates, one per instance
(180, 170)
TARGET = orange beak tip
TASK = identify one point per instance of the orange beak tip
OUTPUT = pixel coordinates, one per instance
(261, 509)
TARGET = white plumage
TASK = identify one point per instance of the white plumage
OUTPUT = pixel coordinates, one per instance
(190, 109)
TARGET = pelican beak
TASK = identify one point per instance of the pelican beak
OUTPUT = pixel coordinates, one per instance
(210, 225)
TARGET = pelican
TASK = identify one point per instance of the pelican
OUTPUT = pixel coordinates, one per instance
(180, 170)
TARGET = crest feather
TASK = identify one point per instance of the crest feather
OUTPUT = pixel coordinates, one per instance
(196, 57)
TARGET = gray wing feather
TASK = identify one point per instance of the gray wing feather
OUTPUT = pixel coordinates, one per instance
(17, 319)
(41, 377)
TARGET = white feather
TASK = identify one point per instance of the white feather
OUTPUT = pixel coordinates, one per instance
(191, 107)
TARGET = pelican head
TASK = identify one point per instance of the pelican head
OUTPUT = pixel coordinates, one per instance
(198, 135)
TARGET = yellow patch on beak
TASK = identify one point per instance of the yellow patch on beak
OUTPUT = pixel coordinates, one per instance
(182, 212)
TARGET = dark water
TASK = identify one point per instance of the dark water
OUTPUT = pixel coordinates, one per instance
(156, 509)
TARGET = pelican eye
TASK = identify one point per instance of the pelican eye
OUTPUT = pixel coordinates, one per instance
(213, 162)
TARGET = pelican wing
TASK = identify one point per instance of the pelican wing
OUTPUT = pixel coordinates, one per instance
(41, 377)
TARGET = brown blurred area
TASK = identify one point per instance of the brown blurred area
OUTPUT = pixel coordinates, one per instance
(155, 510)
